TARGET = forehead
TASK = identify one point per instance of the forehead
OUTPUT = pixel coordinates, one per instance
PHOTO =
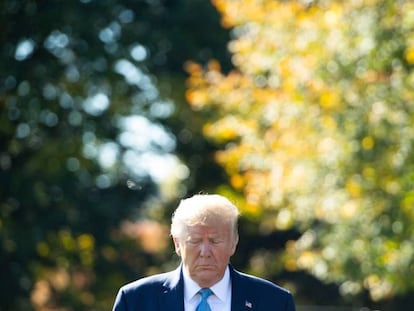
(218, 227)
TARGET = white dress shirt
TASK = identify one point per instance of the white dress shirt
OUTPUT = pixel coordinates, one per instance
(220, 300)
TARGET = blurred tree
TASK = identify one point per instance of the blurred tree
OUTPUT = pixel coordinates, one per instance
(316, 129)
(86, 136)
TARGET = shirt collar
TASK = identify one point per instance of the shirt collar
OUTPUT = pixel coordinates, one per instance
(220, 289)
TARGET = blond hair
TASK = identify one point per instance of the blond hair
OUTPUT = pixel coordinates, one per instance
(201, 208)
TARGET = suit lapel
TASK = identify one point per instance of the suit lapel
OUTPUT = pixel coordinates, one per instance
(173, 292)
(242, 299)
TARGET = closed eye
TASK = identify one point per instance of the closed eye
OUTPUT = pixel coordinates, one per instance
(217, 241)
(193, 242)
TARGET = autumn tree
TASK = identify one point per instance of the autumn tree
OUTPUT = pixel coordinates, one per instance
(316, 128)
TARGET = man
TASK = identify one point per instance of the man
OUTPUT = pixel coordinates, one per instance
(204, 231)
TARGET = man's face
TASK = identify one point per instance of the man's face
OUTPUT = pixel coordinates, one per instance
(205, 251)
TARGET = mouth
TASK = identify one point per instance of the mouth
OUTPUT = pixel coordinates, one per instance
(205, 267)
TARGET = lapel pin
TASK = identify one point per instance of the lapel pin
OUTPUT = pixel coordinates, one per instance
(248, 304)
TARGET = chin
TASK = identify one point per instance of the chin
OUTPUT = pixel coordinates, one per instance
(207, 282)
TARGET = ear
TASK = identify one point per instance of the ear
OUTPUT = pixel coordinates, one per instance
(234, 246)
(177, 246)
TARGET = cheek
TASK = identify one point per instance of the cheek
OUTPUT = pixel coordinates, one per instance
(223, 254)
(231, 249)
(187, 252)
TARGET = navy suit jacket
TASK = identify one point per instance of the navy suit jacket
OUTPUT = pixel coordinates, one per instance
(166, 292)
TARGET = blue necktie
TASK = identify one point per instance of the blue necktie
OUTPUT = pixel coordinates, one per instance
(203, 305)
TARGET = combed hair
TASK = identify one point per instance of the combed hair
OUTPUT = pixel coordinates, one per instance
(199, 208)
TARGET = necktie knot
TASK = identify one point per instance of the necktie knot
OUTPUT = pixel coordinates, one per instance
(205, 293)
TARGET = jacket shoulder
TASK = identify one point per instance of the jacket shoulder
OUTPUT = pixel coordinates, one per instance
(145, 292)
(258, 282)
(156, 280)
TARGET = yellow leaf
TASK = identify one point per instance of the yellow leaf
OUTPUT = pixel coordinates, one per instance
(409, 55)
(368, 143)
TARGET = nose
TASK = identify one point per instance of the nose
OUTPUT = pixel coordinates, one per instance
(205, 249)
